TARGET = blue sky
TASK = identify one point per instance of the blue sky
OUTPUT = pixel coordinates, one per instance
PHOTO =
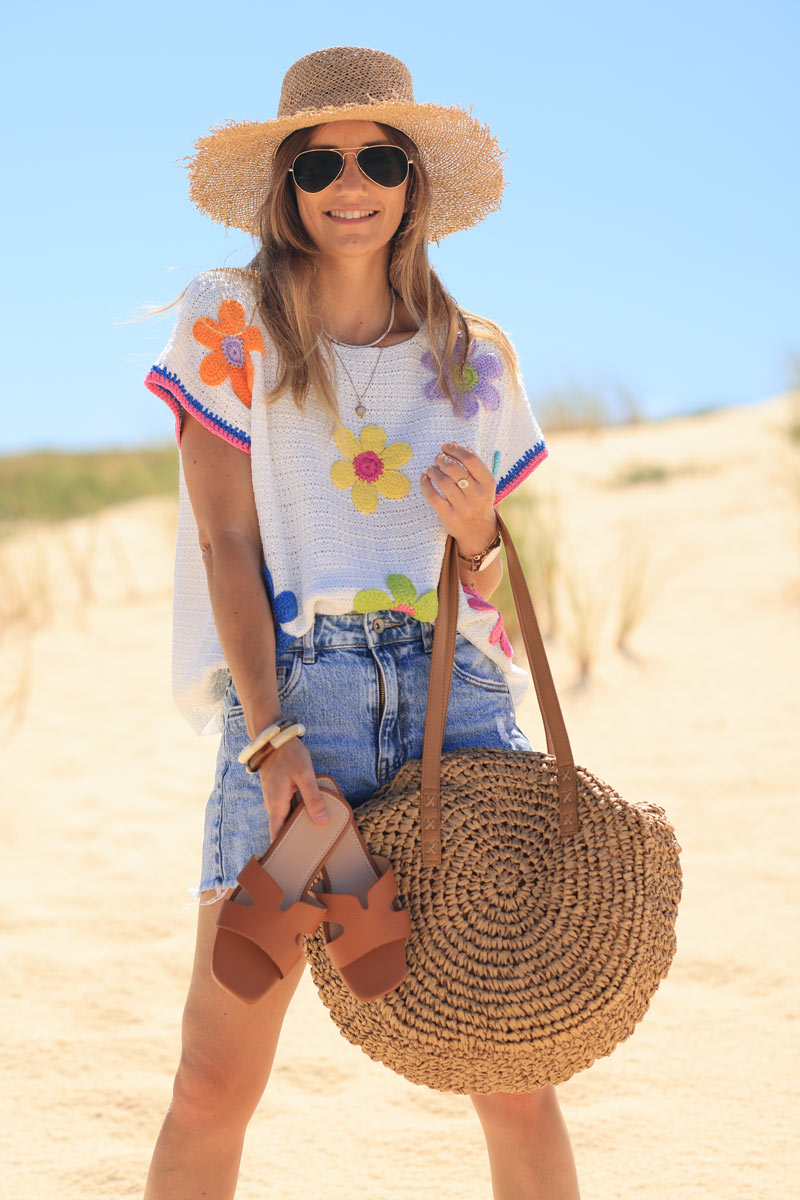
(647, 239)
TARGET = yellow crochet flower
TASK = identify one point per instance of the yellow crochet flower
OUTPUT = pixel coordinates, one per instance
(369, 465)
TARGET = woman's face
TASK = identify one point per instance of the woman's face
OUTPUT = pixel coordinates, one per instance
(353, 216)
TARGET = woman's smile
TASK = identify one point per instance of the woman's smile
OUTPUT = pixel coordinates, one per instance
(351, 214)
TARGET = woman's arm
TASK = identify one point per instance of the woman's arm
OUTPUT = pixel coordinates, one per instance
(487, 581)
(220, 488)
(221, 491)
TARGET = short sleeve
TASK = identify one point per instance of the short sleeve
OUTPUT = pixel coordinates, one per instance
(209, 365)
(513, 442)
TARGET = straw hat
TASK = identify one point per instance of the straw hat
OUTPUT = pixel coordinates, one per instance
(230, 173)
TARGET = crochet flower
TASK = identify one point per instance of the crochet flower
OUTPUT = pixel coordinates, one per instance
(403, 599)
(231, 345)
(369, 466)
(471, 382)
(284, 610)
(498, 634)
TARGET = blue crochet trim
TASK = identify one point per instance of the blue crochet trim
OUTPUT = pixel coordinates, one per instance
(230, 432)
(520, 470)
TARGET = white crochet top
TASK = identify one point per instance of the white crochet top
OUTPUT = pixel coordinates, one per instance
(344, 524)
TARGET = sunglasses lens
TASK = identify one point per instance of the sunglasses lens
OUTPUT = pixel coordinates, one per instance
(384, 165)
(314, 170)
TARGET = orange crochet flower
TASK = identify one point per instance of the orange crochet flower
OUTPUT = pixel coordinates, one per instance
(232, 344)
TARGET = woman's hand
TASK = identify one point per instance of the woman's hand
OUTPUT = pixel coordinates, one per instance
(288, 770)
(465, 512)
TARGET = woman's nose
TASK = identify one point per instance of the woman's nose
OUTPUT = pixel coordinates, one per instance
(351, 172)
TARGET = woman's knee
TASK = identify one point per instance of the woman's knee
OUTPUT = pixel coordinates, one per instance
(507, 1108)
(210, 1093)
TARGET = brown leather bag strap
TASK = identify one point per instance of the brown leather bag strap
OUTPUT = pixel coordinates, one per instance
(442, 655)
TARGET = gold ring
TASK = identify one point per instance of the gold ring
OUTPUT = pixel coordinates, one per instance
(463, 483)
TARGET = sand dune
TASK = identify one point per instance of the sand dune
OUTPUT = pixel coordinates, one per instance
(104, 789)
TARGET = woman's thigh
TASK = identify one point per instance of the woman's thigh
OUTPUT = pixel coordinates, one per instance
(227, 1046)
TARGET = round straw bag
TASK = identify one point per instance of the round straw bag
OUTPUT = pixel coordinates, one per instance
(542, 904)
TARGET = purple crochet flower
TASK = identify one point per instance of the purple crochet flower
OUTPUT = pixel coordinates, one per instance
(471, 382)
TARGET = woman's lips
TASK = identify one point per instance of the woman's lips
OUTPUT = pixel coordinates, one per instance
(351, 216)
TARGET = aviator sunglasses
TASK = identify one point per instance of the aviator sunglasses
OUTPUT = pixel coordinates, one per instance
(314, 170)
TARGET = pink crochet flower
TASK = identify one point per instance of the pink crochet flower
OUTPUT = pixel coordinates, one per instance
(498, 633)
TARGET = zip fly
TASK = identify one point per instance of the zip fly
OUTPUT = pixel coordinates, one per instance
(378, 626)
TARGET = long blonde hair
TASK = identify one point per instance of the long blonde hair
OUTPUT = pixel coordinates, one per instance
(285, 268)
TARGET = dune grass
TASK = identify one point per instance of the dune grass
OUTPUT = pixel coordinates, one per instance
(641, 471)
(573, 608)
(49, 486)
(575, 406)
(793, 426)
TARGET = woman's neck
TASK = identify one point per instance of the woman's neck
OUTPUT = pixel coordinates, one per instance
(353, 299)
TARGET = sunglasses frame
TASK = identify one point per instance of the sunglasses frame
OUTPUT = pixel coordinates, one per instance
(354, 150)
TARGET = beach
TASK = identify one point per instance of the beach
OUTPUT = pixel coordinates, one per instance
(698, 711)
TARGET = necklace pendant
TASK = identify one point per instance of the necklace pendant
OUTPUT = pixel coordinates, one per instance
(360, 410)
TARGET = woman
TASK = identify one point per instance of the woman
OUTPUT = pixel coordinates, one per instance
(338, 417)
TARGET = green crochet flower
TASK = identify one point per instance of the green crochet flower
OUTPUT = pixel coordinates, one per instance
(403, 598)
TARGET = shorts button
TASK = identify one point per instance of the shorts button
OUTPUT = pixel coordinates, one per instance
(379, 625)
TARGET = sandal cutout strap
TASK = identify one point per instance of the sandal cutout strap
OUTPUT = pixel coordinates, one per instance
(266, 923)
(365, 929)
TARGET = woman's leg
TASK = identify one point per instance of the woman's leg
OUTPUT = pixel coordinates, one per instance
(228, 1048)
(529, 1149)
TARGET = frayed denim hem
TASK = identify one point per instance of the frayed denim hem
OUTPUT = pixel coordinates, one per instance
(219, 890)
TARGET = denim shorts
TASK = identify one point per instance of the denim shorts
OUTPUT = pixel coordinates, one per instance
(359, 684)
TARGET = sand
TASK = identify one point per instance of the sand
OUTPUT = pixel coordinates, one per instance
(104, 787)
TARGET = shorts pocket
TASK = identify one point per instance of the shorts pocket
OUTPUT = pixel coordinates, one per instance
(288, 670)
(475, 667)
(234, 733)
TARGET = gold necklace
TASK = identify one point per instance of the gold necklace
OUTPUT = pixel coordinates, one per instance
(360, 409)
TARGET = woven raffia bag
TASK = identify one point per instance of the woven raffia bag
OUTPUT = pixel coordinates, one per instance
(542, 904)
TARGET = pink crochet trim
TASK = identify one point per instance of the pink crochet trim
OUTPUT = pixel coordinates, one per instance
(520, 471)
(166, 385)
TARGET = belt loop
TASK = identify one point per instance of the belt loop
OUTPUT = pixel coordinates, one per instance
(426, 628)
(309, 653)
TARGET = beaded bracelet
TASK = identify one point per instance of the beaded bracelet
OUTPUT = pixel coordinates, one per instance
(295, 730)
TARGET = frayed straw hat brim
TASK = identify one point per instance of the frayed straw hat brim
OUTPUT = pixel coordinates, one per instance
(231, 170)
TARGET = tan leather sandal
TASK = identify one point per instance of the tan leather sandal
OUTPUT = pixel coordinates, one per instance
(260, 925)
(364, 933)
